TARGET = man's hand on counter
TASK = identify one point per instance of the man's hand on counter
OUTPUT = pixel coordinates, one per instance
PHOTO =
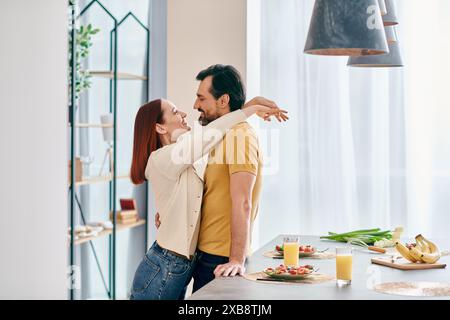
(230, 269)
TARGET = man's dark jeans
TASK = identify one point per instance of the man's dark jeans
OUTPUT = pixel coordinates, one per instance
(204, 270)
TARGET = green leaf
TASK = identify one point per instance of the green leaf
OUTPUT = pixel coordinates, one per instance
(83, 41)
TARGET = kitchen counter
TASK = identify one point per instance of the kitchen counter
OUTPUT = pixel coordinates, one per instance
(364, 275)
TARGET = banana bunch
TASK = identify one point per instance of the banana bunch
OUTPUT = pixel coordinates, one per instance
(423, 251)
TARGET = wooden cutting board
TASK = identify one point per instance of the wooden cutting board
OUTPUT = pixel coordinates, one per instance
(403, 264)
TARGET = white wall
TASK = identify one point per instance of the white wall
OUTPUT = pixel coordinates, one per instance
(201, 33)
(158, 39)
(33, 140)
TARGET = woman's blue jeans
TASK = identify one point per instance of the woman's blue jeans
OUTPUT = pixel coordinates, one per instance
(162, 275)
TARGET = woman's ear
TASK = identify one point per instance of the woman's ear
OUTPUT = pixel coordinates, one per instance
(160, 129)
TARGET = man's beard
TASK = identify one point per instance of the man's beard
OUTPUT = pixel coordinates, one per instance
(205, 120)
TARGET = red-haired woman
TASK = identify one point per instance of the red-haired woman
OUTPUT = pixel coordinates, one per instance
(164, 155)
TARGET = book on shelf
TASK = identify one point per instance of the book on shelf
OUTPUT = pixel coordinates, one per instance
(128, 213)
(128, 204)
(128, 220)
(125, 215)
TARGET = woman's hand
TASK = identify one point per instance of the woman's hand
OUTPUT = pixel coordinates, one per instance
(265, 109)
(267, 112)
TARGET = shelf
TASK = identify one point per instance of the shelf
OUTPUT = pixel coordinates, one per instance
(119, 227)
(93, 125)
(103, 74)
(99, 179)
(120, 75)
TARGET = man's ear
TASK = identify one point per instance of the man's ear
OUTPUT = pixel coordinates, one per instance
(224, 100)
(160, 129)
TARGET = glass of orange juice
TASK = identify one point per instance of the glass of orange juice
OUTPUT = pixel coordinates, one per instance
(344, 262)
(290, 251)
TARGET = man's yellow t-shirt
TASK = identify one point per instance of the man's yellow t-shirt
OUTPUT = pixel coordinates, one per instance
(238, 152)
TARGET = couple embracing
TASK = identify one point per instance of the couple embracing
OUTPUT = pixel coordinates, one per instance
(206, 199)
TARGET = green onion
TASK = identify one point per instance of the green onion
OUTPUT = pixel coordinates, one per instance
(361, 237)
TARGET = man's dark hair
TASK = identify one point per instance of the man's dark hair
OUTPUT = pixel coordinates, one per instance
(225, 80)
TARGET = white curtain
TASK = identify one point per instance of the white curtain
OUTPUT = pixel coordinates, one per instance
(364, 147)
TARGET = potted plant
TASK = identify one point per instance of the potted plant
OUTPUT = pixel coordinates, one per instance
(83, 43)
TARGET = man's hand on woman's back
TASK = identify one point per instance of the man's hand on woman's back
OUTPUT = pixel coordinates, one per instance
(157, 221)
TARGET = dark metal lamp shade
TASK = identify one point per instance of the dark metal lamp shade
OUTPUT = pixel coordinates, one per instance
(346, 28)
(390, 60)
(390, 19)
(391, 34)
(383, 9)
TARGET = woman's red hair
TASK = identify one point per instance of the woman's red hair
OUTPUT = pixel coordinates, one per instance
(146, 138)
